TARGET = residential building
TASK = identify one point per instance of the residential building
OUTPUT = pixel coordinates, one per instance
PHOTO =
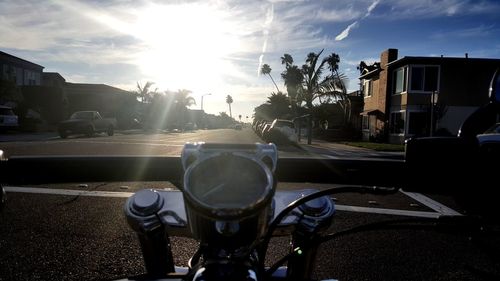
(52, 79)
(421, 96)
(19, 71)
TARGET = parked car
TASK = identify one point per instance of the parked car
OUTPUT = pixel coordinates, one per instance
(281, 131)
(8, 120)
(489, 140)
(86, 122)
(190, 126)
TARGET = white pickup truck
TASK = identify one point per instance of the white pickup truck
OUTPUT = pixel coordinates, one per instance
(88, 123)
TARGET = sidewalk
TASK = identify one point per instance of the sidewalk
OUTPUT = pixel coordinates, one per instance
(17, 136)
(335, 149)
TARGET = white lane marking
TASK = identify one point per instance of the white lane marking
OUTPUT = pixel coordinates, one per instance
(387, 211)
(114, 194)
(330, 156)
(436, 206)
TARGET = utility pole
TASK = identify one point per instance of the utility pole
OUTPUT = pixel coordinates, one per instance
(202, 99)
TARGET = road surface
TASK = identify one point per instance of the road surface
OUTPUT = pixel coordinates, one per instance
(77, 231)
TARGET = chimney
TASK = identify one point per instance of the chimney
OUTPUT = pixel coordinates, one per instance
(385, 78)
(388, 56)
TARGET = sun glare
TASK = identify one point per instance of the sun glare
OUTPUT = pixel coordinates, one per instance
(186, 46)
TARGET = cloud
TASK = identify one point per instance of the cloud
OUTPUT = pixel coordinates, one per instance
(399, 9)
(355, 24)
(267, 25)
(472, 32)
(346, 31)
(372, 6)
(337, 15)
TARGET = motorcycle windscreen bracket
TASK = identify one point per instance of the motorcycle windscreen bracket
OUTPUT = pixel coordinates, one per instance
(199, 151)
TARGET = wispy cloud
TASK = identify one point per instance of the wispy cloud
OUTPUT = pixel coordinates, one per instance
(342, 35)
(267, 24)
(434, 8)
(346, 31)
(337, 15)
(472, 32)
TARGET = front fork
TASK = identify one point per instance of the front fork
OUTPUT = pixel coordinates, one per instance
(157, 252)
(316, 216)
(141, 211)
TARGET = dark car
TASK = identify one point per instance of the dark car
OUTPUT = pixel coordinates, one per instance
(86, 122)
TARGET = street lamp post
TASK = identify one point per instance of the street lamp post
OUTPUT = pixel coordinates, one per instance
(202, 99)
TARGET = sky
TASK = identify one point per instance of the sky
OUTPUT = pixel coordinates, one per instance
(217, 47)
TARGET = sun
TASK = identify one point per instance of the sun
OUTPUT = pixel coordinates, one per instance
(185, 45)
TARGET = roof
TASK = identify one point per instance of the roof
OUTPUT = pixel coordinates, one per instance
(14, 59)
(369, 69)
(441, 60)
(53, 74)
(85, 89)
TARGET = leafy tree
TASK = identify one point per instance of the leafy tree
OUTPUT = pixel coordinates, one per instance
(264, 112)
(266, 69)
(229, 101)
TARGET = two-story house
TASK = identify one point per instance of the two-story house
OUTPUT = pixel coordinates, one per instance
(422, 96)
(19, 71)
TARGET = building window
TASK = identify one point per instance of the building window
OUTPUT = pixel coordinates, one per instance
(400, 80)
(418, 123)
(397, 123)
(366, 122)
(367, 88)
(424, 78)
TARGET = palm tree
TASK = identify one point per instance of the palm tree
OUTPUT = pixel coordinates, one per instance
(179, 101)
(229, 101)
(183, 98)
(333, 87)
(287, 60)
(293, 78)
(144, 92)
(280, 104)
(266, 69)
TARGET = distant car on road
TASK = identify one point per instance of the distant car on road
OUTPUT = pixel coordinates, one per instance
(86, 122)
(8, 120)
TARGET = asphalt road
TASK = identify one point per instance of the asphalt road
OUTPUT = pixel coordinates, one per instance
(166, 144)
(126, 143)
(77, 231)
